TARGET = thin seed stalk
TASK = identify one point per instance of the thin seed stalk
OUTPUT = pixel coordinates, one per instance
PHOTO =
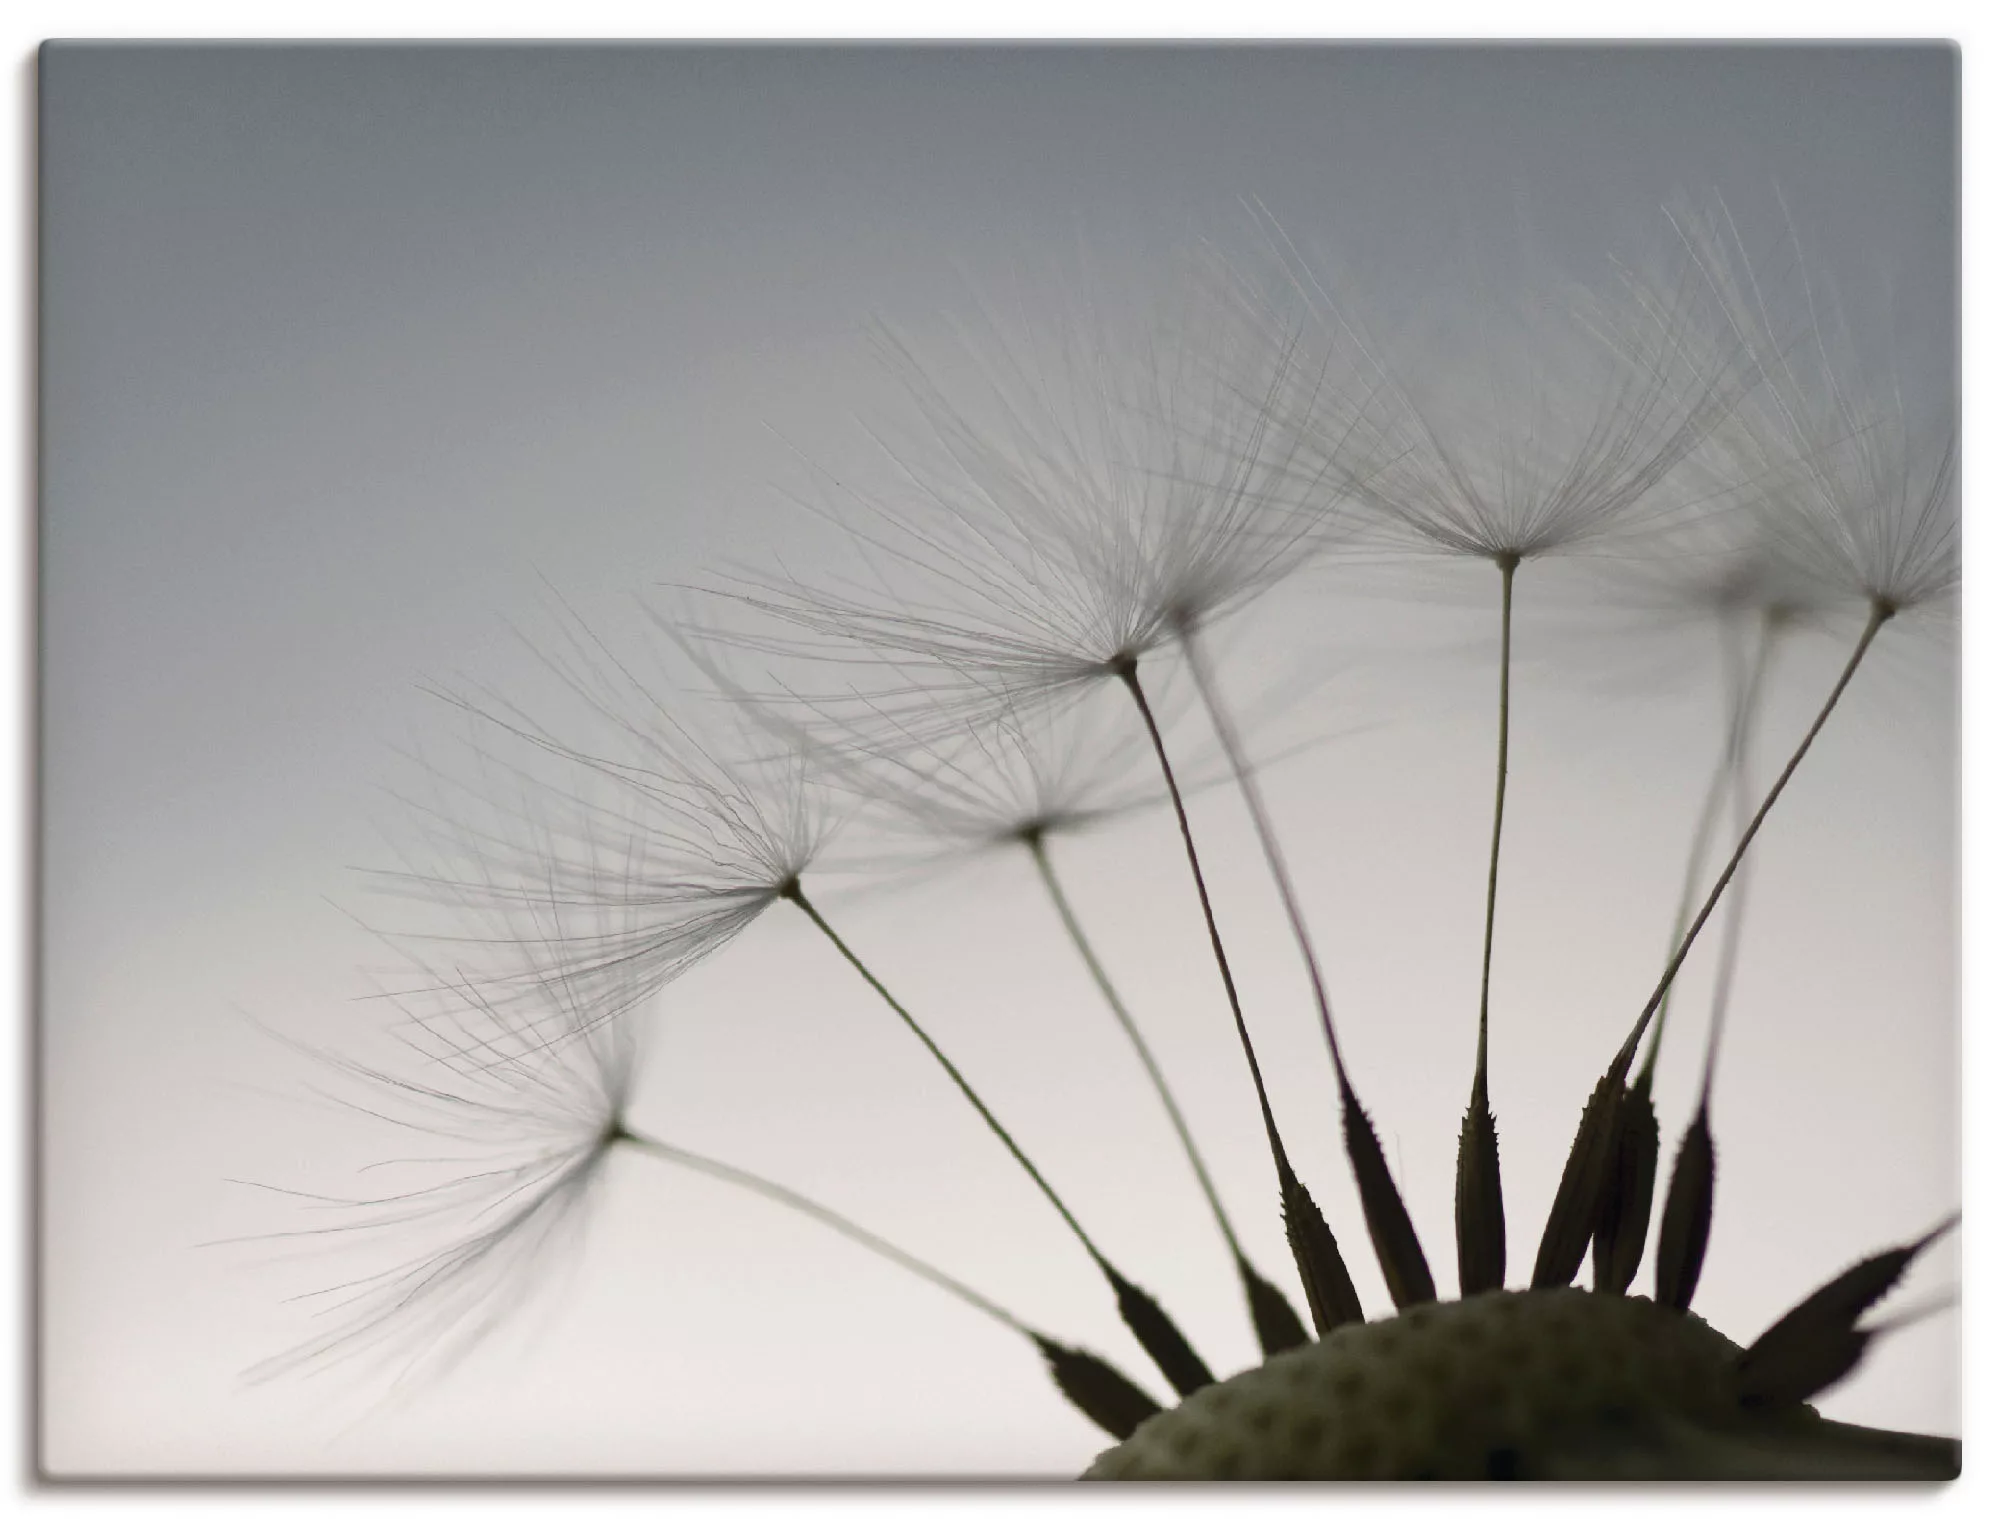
(1479, 1206)
(1329, 1290)
(1732, 928)
(1690, 1205)
(1038, 850)
(1579, 1200)
(1879, 613)
(1267, 840)
(1277, 1326)
(798, 1202)
(1148, 1322)
(1097, 1388)
(1728, 766)
(1628, 1199)
(1508, 565)
(1129, 674)
(1394, 1237)
(798, 896)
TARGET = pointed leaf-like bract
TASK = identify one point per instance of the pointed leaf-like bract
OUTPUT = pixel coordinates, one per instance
(1628, 1202)
(1809, 1366)
(1817, 1344)
(1098, 1389)
(1685, 1219)
(1278, 1326)
(1330, 1295)
(1580, 1192)
(1394, 1236)
(1480, 1213)
(1164, 1342)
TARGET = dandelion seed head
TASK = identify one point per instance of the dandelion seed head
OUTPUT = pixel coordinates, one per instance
(1873, 515)
(1520, 426)
(1852, 470)
(1078, 505)
(655, 839)
(1081, 501)
(1024, 776)
(1714, 567)
(517, 1104)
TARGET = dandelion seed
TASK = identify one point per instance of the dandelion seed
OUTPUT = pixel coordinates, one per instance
(538, 1100)
(1555, 436)
(526, 1101)
(1685, 1222)
(1389, 1227)
(657, 844)
(1580, 1194)
(1150, 1325)
(1858, 494)
(716, 845)
(1544, 431)
(1066, 525)
(1579, 1199)
(1101, 517)
(1890, 529)
(1091, 494)
(1330, 1295)
(1031, 778)
(1277, 1326)
(1732, 589)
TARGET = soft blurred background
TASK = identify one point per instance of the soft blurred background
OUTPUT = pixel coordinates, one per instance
(352, 357)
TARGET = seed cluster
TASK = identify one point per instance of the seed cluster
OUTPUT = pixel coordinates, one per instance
(1049, 557)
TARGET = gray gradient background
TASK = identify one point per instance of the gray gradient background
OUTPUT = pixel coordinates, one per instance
(343, 350)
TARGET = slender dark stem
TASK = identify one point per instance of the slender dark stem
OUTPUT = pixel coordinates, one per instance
(1096, 1388)
(1038, 849)
(1704, 829)
(1389, 1228)
(1149, 1323)
(1508, 564)
(1732, 925)
(1689, 1211)
(798, 896)
(1267, 839)
(1745, 693)
(1129, 673)
(785, 1197)
(1878, 613)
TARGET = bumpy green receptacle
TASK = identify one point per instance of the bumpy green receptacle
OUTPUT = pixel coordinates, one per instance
(1541, 1384)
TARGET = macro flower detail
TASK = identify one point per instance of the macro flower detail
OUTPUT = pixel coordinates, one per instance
(1853, 477)
(1090, 494)
(535, 1095)
(653, 845)
(526, 1097)
(1523, 1385)
(1051, 556)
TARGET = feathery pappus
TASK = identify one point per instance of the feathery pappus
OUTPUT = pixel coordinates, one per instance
(1025, 664)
